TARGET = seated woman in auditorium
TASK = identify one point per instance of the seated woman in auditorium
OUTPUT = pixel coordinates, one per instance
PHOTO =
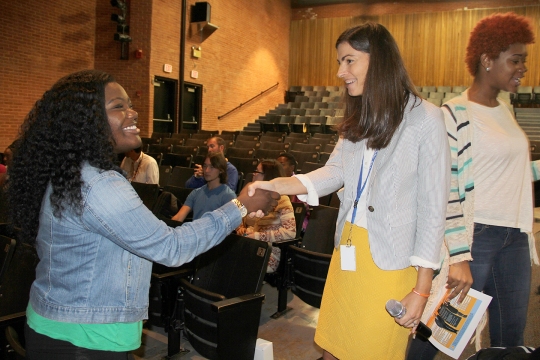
(393, 162)
(490, 211)
(95, 239)
(279, 224)
(212, 195)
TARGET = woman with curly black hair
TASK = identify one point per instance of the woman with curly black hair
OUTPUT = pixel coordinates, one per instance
(95, 239)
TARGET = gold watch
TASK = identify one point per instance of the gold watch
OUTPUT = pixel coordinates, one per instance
(241, 207)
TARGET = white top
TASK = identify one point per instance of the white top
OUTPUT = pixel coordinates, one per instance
(501, 169)
(360, 218)
(144, 170)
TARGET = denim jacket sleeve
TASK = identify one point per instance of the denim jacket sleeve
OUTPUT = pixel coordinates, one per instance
(113, 210)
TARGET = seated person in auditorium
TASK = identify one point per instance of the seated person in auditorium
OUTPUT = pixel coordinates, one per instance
(279, 224)
(215, 144)
(140, 167)
(214, 194)
(289, 165)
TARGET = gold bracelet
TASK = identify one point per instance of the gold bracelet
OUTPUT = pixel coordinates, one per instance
(420, 294)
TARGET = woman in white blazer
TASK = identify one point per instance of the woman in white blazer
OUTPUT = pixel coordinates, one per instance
(392, 164)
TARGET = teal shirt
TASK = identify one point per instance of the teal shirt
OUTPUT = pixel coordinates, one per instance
(105, 337)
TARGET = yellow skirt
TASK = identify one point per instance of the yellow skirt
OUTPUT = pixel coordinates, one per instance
(353, 322)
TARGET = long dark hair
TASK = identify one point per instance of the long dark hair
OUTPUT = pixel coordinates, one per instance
(219, 162)
(65, 128)
(377, 113)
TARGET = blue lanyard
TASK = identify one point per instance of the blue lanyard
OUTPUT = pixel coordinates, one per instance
(361, 186)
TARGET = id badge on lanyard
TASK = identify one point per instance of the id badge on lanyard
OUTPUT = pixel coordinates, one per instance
(348, 252)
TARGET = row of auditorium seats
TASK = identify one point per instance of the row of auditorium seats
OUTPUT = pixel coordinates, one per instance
(201, 293)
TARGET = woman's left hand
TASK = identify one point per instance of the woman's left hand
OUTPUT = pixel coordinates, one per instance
(415, 305)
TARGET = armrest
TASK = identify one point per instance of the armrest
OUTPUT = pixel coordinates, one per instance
(311, 253)
(169, 272)
(232, 303)
(208, 296)
(284, 243)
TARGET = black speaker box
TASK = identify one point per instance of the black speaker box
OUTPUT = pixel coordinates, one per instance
(200, 12)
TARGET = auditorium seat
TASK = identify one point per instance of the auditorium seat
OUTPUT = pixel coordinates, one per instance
(459, 89)
(281, 146)
(179, 176)
(267, 153)
(247, 137)
(240, 152)
(159, 148)
(250, 144)
(222, 301)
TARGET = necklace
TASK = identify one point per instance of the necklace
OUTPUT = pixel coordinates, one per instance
(138, 167)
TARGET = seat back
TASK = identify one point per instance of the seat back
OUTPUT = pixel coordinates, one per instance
(319, 235)
(240, 152)
(17, 277)
(160, 148)
(244, 165)
(233, 268)
(7, 245)
(275, 146)
(247, 138)
(249, 144)
(181, 193)
(311, 261)
(180, 175)
(177, 160)
(301, 157)
(267, 153)
(222, 306)
(299, 216)
(164, 174)
(147, 192)
(185, 150)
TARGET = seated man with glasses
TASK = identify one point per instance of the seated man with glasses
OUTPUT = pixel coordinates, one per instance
(213, 194)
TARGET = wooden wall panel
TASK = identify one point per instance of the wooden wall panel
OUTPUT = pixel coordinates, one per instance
(432, 45)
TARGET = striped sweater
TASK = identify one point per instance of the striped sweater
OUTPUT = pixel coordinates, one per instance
(460, 210)
(459, 227)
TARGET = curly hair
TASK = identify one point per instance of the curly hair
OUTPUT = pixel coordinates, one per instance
(66, 127)
(377, 113)
(493, 35)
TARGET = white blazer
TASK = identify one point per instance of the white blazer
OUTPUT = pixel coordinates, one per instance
(407, 193)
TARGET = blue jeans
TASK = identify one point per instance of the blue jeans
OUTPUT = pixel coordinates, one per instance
(501, 268)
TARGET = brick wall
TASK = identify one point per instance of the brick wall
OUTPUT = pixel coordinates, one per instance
(382, 8)
(47, 40)
(132, 74)
(40, 41)
(246, 55)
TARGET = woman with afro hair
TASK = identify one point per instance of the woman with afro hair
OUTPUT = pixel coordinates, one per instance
(95, 239)
(490, 210)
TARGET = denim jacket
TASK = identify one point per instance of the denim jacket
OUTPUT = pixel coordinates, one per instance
(96, 267)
